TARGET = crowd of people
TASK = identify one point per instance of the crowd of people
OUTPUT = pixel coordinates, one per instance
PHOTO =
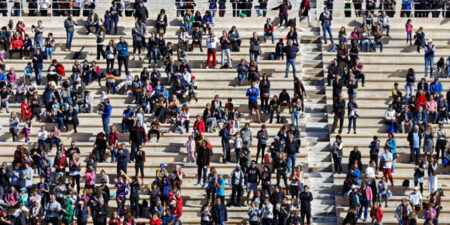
(60, 197)
(421, 112)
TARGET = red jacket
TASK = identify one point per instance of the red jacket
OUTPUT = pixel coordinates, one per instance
(376, 213)
(178, 211)
(200, 126)
(16, 44)
(60, 70)
(268, 28)
(420, 101)
(155, 222)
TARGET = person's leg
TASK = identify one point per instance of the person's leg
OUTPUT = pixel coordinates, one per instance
(287, 68)
(427, 61)
(324, 33)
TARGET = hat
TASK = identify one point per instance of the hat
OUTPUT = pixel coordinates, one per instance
(221, 173)
(23, 189)
(238, 166)
(416, 188)
(436, 78)
(276, 138)
(162, 165)
(182, 27)
(430, 40)
(355, 187)
(193, 77)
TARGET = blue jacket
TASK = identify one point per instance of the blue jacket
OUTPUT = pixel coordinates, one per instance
(107, 112)
(122, 49)
(2, 76)
(253, 94)
(239, 69)
(435, 87)
(219, 213)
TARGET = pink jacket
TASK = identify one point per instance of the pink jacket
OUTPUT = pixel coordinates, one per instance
(368, 193)
(89, 178)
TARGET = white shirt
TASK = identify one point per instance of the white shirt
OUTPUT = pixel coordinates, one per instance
(387, 156)
(212, 42)
(338, 146)
(370, 172)
(389, 115)
(415, 198)
(42, 135)
(187, 77)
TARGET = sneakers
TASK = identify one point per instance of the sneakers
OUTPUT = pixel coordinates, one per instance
(198, 183)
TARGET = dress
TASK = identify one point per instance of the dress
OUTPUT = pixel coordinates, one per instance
(428, 144)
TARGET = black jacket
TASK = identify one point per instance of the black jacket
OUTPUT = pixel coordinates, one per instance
(305, 199)
(291, 147)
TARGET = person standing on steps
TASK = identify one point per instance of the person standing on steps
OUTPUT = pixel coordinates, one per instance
(225, 46)
(211, 44)
(69, 24)
(326, 17)
(306, 198)
(226, 136)
(252, 94)
(291, 53)
(100, 34)
(236, 181)
(262, 137)
(122, 55)
(336, 149)
(339, 113)
(430, 50)
(283, 12)
(106, 115)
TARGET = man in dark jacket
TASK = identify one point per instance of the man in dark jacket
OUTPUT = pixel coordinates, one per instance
(305, 201)
(406, 120)
(122, 159)
(291, 52)
(101, 213)
(71, 117)
(204, 153)
(291, 150)
(219, 213)
(226, 136)
(137, 138)
(141, 12)
(374, 147)
(339, 113)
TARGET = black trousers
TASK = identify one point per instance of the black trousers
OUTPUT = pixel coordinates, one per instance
(100, 51)
(134, 202)
(305, 213)
(235, 8)
(280, 174)
(440, 148)
(340, 117)
(236, 193)
(109, 64)
(285, 18)
(262, 148)
(123, 60)
(154, 132)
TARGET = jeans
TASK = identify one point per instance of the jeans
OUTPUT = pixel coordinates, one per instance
(337, 163)
(268, 34)
(414, 154)
(375, 43)
(380, 197)
(361, 76)
(212, 121)
(262, 8)
(429, 61)
(153, 53)
(53, 141)
(113, 21)
(364, 205)
(226, 52)
(69, 40)
(114, 155)
(327, 28)
(188, 27)
(290, 62)
(106, 126)
(350, 121)
(291, 158)
(435, 115)
(365, 44)
(254, 56)
(278, 115)
(295, 116)
(409, 93)
(110, 85)
(39, 43)
(201, 169)
(242, 77)
(388, 28)
(49, 52)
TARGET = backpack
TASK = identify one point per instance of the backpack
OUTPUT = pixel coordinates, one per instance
(283, 120)
(292, 22)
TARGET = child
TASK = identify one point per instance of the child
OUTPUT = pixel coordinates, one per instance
(236, 119)
(190, 148)
(409, 29)
(88, 101)
(193, 92)
(28, 71)
(441, 67)
(181, 54)
(27, 130)
(104, 176)
(237, 145)
(279, 50)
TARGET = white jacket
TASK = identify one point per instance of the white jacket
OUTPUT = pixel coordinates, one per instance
(212, 42)
(389, 115)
